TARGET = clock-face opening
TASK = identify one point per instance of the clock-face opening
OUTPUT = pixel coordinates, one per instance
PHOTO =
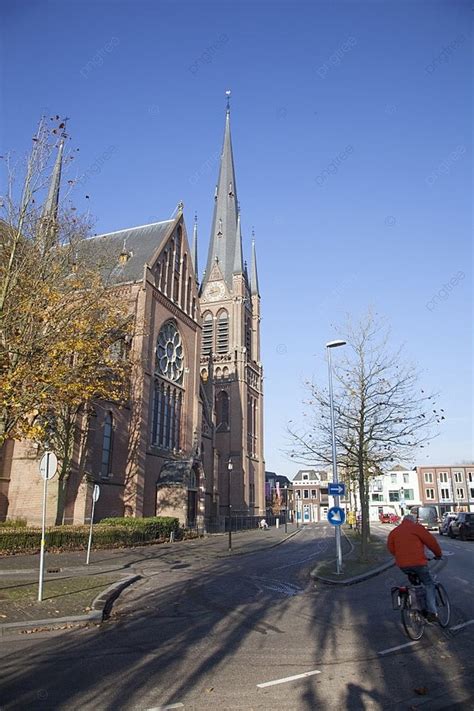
(215, 291)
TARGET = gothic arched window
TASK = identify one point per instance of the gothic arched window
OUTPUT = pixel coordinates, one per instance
(222, 410)
(207, 333)
(168, 392)
(106, 446)
(223, 332)
(248, 337)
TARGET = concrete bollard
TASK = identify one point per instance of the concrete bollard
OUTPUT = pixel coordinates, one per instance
(172, 537)
(277, 522)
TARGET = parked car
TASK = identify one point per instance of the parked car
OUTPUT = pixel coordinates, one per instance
(448, 517)
(427, 516)
(462, 526)
(389, 517)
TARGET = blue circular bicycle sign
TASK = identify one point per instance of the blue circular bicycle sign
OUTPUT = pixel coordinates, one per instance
(336, 516)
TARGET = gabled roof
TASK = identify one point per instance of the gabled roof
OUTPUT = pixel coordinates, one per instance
(138, 245)
(313, 474)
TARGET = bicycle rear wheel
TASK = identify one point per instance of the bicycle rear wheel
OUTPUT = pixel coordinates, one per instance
(443, 606)
(413, 623)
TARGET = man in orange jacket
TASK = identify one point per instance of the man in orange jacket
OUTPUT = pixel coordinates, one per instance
(407, 544)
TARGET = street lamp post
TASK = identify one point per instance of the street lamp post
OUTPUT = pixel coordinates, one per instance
(230, 466)
(329, 346)
(286, 508)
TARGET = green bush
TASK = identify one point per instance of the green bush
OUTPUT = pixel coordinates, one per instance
(28, 540)
(14, 522)
(151, 527)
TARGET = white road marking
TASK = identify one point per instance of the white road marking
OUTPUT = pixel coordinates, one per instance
(466, 582)
(165, 708)
(400, 646)
(463, 624)
(288, 678)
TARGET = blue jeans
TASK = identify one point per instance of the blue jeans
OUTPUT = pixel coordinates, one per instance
(425, 577)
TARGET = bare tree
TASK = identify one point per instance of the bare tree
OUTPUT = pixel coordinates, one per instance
(382, 415)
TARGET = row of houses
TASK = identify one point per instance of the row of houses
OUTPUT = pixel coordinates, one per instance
(449, 488)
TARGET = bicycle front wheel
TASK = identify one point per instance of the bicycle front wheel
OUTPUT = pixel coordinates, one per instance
(413, 623)
(443, 606)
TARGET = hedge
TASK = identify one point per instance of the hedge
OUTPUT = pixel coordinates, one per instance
(134, 532)
(160, 523)
(14, 523)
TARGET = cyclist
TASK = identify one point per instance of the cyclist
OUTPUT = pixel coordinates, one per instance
(407, 544)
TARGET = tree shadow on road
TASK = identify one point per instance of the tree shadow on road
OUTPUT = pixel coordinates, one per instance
(178, 632)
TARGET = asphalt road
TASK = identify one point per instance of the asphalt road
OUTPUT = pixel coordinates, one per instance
(199, 633)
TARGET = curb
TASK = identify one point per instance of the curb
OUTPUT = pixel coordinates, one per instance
(356, 579)
(104, 601)
(102, 606)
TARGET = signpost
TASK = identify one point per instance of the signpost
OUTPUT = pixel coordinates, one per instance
(47, 467)
(336, 516)
(336, 489)
(95, 497)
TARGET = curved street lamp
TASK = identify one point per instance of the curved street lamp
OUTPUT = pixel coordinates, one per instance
(329, 346)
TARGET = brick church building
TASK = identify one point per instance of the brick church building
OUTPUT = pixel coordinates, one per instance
(191, 435)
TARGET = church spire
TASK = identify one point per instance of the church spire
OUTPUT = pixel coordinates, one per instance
(238, 258)
(253, 270)
(50, 207)
(224, 222)
(194, 252)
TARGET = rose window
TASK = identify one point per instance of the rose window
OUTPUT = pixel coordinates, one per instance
(169, 353)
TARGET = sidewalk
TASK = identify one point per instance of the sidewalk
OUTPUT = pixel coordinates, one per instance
(76, 593)
(352, 571)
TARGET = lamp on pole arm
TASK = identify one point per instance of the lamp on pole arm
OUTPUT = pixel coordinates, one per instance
(230, 466)
(329, 346)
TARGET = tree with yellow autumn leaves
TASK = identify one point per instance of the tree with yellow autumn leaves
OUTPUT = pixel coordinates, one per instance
(63, 328)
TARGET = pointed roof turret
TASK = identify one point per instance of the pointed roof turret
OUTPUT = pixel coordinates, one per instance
(50, 207)
(224, 222)
(238, 258)
(194, 251)
(253, 270)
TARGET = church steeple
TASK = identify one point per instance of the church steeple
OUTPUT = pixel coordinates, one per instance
(224, 223)
(253, 271)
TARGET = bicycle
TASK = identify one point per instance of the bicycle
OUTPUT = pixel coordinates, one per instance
(411, 601)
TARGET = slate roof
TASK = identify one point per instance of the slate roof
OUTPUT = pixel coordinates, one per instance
(139, 243)
(224, 222)
(323, 475)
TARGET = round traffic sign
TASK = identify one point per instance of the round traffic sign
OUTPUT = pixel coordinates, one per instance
(336, 516)
(48, 465)
(95, 492)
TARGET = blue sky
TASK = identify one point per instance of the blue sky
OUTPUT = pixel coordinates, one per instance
(351, 126)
